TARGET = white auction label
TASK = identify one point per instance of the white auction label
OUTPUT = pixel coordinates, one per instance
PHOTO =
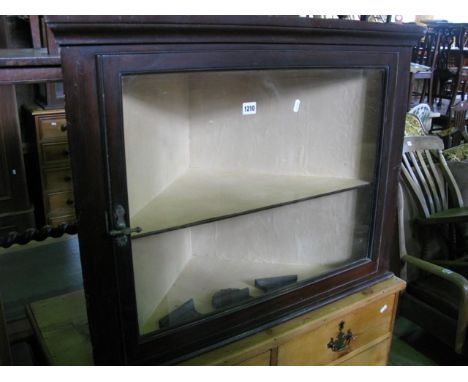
(249, 108)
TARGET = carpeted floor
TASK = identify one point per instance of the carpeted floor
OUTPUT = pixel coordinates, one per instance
(37, 271)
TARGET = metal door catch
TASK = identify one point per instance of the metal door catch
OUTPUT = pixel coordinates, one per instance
(121, 231)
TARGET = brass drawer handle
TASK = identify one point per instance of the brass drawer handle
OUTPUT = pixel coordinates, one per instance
(342, 339)
(67, 178)
(66, 152)
(70, 202)
(63, 127)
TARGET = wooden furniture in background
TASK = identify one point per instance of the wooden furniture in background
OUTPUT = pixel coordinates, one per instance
(441, 59)
(50, 94)
(16, 210)
(35, 34)
(430, 182)
(451, 72)
(60, 325)
(52, 191)
(27, 66)
(458, 121)
(17, 66)
(425, 58)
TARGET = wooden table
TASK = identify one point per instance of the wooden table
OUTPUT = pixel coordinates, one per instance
(61, 327)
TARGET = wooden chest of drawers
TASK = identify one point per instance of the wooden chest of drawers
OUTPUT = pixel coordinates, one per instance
(363, 320)
(54, 197)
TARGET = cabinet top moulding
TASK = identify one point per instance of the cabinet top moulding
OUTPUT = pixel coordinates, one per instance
(69, 30)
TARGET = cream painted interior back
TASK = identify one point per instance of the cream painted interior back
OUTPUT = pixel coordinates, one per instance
(324, 137)
(310, 123)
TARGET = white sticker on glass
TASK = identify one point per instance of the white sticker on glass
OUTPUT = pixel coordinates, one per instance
(297, 104)
(249, 108)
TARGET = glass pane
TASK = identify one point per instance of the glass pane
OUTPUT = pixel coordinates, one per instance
(245, 182)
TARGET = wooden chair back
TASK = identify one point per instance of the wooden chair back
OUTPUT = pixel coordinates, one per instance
(425, 53)
(460, 111)
(427, 175)
(450, 60)
(431, 279)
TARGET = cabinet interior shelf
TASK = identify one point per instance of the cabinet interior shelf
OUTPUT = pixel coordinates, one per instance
(201, 196)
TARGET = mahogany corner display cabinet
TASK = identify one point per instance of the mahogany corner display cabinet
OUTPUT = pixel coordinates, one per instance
(230, 173)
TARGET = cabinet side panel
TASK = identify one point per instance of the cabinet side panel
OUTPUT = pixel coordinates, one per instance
(157, 263)
(155, 110)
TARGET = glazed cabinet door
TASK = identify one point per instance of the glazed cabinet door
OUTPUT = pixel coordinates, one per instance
(231, 197)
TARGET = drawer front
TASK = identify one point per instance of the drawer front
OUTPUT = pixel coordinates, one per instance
(262, 359)
(376, 355)
(366, 324)
(60, 203)
(57, 179)
(53, 153)
(52, 127)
